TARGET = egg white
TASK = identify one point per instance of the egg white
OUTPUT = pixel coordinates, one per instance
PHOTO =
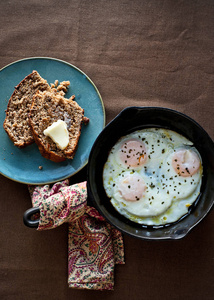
(168, 196)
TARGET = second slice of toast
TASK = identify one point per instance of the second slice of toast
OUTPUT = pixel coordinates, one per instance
(47, 108)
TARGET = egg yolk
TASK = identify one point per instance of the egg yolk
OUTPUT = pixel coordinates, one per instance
(185, 162)
(133, 153)
(132, 187)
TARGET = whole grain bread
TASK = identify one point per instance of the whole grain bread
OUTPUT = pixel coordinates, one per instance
(47, 108)
(16, 122)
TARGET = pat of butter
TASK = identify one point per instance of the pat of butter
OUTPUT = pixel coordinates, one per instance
(58, 133)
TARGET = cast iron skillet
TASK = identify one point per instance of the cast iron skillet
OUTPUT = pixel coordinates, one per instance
(135, 118)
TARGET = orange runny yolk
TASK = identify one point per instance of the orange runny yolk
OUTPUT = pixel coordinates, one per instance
(133, 153)
(186, 162)
(132, 187)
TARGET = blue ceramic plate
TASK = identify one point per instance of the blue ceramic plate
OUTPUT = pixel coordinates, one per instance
(22, 165)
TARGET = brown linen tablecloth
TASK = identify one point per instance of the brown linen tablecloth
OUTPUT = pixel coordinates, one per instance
(141, 53)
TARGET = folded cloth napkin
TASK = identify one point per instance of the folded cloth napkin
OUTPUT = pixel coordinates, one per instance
(94, 246)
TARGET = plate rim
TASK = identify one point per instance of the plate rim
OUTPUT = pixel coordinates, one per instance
(102, 105)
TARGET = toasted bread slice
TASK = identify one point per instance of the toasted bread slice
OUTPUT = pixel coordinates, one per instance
(47, 108)
(16, 122)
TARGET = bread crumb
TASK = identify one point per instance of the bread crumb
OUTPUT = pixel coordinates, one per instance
(72, 97)
(63, 86)
(40, 167)
(85, 120)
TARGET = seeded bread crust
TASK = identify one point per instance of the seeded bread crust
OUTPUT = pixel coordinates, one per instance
(16, 122)
(47, 108)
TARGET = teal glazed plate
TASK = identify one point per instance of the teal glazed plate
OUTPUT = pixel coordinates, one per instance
(23, 165)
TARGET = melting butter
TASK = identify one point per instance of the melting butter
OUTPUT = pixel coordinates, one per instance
(58, 133)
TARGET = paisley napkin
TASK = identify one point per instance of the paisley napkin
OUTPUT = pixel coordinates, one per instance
(94, 246)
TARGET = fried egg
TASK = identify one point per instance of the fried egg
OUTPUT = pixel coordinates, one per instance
(153, 176)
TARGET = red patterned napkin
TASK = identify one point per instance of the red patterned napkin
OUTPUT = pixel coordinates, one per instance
(94, 246)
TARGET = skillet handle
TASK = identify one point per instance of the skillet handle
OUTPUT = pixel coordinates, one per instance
(27, 217)
(35, 210)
